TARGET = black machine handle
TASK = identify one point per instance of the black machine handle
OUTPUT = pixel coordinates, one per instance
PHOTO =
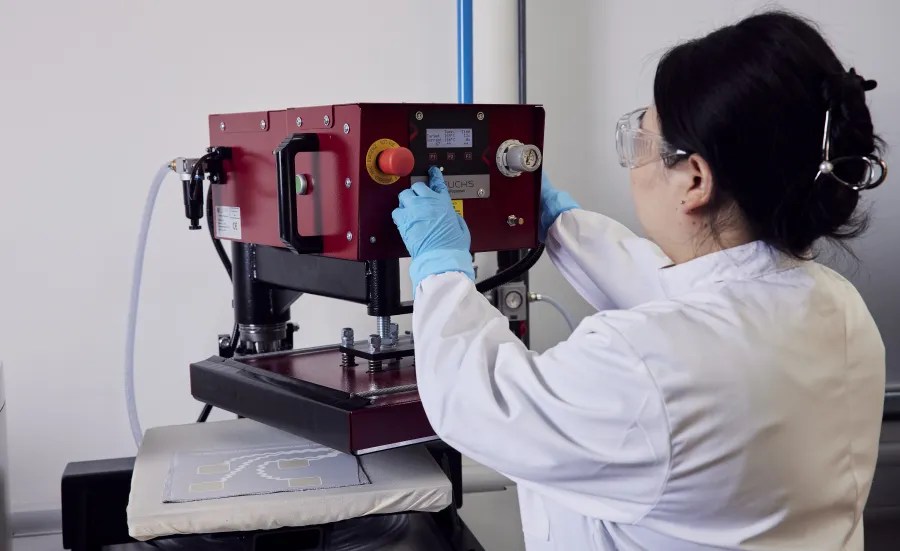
(287, 195)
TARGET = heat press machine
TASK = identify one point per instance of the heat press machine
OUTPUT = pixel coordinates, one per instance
(304, 196)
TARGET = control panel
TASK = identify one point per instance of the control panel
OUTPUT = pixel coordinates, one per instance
(324, 180)
(457, 142)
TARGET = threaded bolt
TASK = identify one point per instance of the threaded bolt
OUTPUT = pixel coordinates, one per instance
(347, 337)
(384, 326)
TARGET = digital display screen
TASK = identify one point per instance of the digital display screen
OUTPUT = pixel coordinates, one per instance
(448, 137)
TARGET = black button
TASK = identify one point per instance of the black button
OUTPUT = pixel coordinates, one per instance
(432, 157)
(451, 156)
(468, 155)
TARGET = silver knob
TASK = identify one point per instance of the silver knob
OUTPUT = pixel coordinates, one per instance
(514, 158)
(523, 158)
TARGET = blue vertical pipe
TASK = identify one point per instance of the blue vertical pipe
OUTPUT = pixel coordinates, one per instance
(464, 50)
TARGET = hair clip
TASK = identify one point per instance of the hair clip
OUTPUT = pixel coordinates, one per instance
(875, 172)
(866, 85)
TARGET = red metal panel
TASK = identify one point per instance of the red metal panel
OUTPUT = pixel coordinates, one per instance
(363, 211)
(250, 175)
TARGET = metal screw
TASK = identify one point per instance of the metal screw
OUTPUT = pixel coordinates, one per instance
(372, 239)
(347, 183)
(302, 184)
(349, 236)
(512, 220)
(481, 193)
(410, 334)
(224, 341)
(375, 342)
(419, 115)
(222, 126)
(262, 124)
(347, 337)
(299, 122)
(346, 128)
(395, 331)
(480, 115)
(327, 120)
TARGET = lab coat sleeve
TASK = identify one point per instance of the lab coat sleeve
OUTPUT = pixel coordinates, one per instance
(582, 423)
(611, 267)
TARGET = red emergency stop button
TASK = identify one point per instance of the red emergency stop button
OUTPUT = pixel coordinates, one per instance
(396, 161)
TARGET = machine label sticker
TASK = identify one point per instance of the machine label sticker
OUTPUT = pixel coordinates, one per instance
(228, 222)
(372, 161)
(461, 186)
(457, 206)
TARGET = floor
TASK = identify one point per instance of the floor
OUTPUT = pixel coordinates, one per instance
(52, 542)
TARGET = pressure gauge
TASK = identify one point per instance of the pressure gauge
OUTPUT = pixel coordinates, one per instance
(513, 300)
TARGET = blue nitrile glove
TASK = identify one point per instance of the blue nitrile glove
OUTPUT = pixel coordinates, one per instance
(553, 203)
(436, 237)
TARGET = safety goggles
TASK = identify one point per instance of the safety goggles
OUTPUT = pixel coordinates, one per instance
(637, 147)
(858, 172)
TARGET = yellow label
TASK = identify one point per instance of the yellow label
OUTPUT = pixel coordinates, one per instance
(457, 206)
(372, 165)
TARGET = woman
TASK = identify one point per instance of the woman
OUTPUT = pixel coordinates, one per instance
(728, 394)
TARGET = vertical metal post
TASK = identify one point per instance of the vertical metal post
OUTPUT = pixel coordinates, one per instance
(505, 259)
(464, 50)
(523, 80)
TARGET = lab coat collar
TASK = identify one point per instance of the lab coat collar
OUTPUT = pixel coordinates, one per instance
(748, 261)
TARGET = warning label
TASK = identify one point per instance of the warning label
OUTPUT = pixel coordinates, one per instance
(457, 206)
(228, 222)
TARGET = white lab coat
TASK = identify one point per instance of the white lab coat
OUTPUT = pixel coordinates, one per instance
(731, 402)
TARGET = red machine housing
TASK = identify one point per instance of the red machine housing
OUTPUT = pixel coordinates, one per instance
(350, 209)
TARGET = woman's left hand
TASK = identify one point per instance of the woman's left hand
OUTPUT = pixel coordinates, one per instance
(436, 237)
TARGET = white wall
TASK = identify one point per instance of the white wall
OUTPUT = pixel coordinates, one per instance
(591, 61)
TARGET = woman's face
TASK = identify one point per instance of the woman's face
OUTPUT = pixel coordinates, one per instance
(657, 198)
(671, 200)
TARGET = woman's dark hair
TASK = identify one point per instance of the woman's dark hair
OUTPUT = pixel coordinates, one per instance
(751, 100)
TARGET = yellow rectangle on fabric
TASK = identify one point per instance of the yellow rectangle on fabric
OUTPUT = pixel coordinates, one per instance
(207, 486)
(308, 481)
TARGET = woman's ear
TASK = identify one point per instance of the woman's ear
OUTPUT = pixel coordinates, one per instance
(698, 191)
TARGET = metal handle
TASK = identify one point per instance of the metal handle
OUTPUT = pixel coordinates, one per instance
(287, 197)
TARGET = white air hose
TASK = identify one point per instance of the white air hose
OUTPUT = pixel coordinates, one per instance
(130, 401)
(537, 297)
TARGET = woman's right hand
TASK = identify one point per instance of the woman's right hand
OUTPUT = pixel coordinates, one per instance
(553, 203)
